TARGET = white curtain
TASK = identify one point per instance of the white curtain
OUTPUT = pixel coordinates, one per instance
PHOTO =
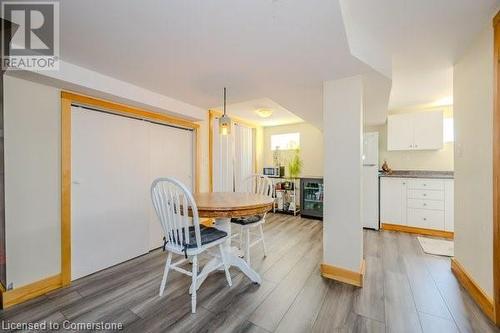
(233, 157)
(243, 154)
(223, 155)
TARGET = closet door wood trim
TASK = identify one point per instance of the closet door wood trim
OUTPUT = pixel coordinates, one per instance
(496, 168)
(69, 98)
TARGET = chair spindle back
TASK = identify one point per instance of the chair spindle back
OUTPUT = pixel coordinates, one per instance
(173, 202)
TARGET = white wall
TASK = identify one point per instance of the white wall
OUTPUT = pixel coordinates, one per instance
(86, 81)
(343, 129)
(32, 179)
(473, 113)
(259, 149)
(311, 146)
(436, 160)
(203, 163)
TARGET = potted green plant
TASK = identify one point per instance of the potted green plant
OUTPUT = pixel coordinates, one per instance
(295, 164)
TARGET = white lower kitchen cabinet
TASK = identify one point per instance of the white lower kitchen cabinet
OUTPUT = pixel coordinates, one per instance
(426, 218)
(392, 191)
(417, 202)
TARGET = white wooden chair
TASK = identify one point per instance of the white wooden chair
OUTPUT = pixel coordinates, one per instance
(172, 202)
(258, 184)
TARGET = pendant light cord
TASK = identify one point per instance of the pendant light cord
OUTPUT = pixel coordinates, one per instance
(224, 100)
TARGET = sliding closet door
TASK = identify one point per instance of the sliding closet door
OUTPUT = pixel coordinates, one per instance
(110, 190)
(171, 155)
(243, 154)
(222, 155)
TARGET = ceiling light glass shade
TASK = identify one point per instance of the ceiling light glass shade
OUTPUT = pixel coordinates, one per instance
(224, 125)
(264, 112)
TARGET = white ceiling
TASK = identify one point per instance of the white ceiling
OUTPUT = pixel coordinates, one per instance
(416, 42)
(418, 34)
(284, 50)
(246, 110)
(189, 50)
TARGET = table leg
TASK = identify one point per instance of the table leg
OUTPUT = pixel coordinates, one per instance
(209, 267)
(231, 256)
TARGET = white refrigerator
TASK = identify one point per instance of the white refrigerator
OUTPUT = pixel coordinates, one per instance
(370, 181)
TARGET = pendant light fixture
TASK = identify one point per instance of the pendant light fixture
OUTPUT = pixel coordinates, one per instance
(224, 121)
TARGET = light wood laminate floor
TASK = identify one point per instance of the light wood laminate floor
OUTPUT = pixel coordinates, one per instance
(405, 291)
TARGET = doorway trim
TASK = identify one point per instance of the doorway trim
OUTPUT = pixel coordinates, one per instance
(67, 100)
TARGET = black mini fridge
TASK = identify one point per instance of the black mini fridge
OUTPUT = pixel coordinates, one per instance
(311, 197)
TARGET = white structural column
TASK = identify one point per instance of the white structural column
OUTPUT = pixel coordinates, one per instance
(343, 133)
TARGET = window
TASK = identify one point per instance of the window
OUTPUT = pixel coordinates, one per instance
(285, 141)
(448, 135)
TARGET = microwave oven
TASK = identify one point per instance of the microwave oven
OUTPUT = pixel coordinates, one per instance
(274, 171)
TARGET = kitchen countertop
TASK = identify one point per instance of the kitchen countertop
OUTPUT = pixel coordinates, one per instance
(419, 174)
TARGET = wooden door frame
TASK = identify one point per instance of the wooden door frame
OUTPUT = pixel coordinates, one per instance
(496, 168)
(212, 114)
(67, 100)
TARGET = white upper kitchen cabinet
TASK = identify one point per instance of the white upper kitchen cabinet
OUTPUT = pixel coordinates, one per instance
(415, 131)
(428, 130)
(399, 132)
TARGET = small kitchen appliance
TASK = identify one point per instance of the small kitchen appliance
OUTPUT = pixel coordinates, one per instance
(275, 172)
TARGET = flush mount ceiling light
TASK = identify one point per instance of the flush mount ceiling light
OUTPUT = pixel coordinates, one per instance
(264, 112)
(224, 120)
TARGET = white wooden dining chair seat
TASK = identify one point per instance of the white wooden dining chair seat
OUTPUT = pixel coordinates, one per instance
(184, 235)
(208, 235)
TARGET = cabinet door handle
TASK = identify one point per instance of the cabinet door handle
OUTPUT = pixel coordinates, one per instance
(424, 195)
(424, 184)
(425, 219)
(425, 204)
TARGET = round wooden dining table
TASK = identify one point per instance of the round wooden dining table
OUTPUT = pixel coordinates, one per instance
(223, 206)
